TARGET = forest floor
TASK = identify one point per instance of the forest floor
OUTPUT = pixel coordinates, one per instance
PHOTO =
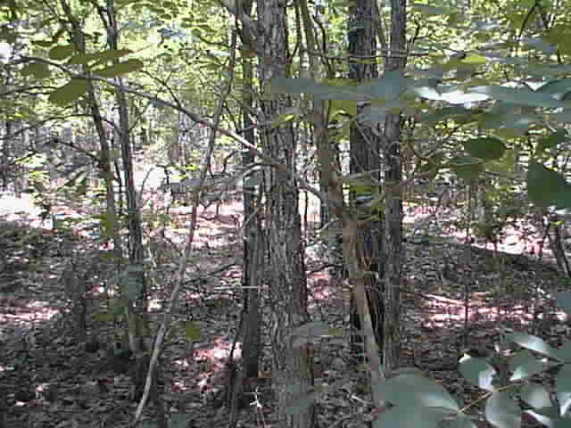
(456, 298)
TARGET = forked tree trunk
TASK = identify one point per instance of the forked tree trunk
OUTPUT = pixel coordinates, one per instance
(291, 376)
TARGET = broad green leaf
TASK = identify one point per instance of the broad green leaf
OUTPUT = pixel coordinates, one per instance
(429, 10)
(564, 351)
(519, 96)
(503, 412)
(562, 423)
(563, 388)
(563, 299)
(536, 396)
(458, 114)
(410, 417)
(474, 59)
(192, 331)
(323, 91)
(99, 57)
(104, 316)
(69, 92)
(44, 43)
(61, 52)
(454, 96)
(533, 343)
(548, 420)
(467, 168)
(539, 44)
(346, 106)
(524, 365)
(552, 140)
(121, 68)
(389, 87)
(459, 421)
(414, 390)
(37, 70)
(546, 187)
(487, 148)
(179, 420)
(477, 371)
(557, 88)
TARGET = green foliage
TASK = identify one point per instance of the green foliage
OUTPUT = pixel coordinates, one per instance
(70, 92)
(546, 187)
(422, 403)
(488, 148)
(191, 331)
(120, 68)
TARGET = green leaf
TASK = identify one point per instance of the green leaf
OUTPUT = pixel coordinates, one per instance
(100, 57)
(563, 299)
(533, 343)
(44, 43)
(37, 70)
(429, 10)
(561, 423)
(552, 140)
(467, 168)
(558, 89)
(460, 421)
(319, 90)
(503, 412)
(69, 92)
(104, 316)
(390, 87)
(564, 352)
(343, 106)
(410, 417)
(519, 96)
(478, 372)
(546, 187)
(487, 148)
(524, 365)
(179, 420)
(120, 68)
(536, 396)
(192, 331)
(61, 52)
(414, 390)
(474, 59)
(549, 420)
(563, 388)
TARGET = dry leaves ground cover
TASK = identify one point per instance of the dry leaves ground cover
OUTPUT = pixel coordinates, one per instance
(457, 298)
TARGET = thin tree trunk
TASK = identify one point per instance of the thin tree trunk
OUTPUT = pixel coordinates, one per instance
(365, 162)
(105, 152)
(291, 376)
(253, 243)
(393, 214)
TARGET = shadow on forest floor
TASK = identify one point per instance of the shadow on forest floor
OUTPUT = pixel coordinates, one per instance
(456, 297)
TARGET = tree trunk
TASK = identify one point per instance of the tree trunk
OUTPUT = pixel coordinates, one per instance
(392, 243)
(292, 378)
(253, 244)
(365, 163)
(105, 152)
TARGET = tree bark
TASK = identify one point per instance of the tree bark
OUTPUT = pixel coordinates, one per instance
(365, 162)
(393, 214)
(291, 376)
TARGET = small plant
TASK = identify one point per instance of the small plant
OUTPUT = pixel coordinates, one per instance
(416, 401)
